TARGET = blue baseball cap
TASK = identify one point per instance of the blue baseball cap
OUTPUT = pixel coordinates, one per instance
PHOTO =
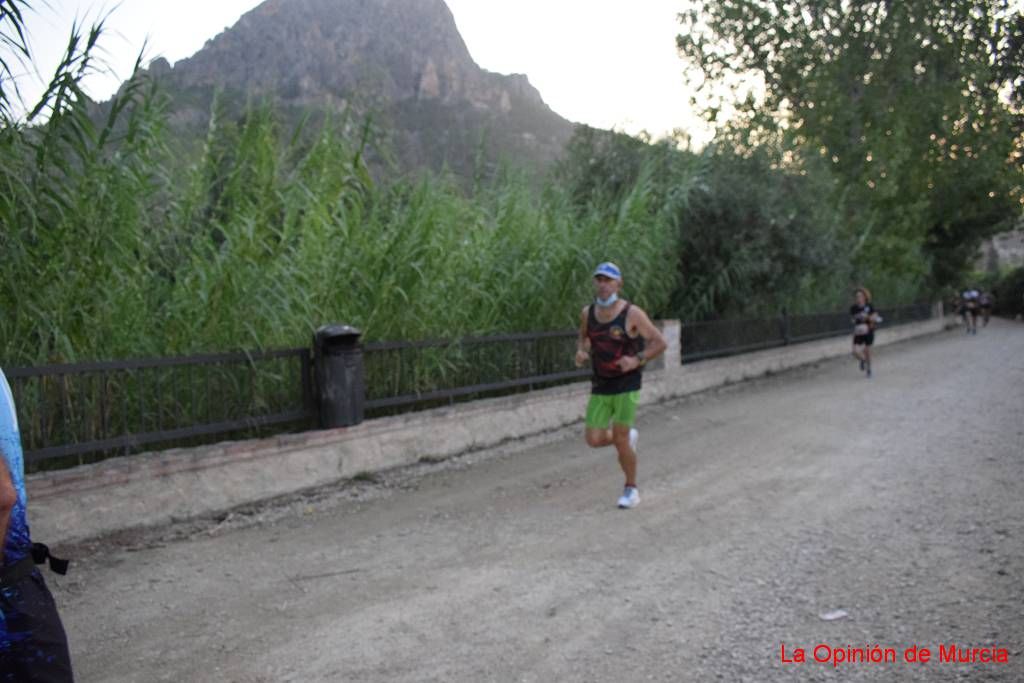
(608, 269)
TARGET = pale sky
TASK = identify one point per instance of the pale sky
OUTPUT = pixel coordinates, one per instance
(607, 63)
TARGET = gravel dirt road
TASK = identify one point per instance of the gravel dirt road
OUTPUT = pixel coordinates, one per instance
(766, 506)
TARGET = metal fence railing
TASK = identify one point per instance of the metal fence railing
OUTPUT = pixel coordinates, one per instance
(908, 314)
(72, 414)
(78, 413)
(110, 408)
(404, 375)
(719, 338)
(729, 337)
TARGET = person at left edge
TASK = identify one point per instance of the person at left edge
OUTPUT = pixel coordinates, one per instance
(33, 645)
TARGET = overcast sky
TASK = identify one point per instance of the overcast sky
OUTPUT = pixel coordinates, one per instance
(607, 63)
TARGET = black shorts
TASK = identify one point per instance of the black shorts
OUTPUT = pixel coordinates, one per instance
(864, 339)
(35, 647)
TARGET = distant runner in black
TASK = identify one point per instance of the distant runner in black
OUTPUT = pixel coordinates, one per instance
(971, 299)
(865, 318)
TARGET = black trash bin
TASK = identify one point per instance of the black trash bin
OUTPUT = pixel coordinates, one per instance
(338, 358)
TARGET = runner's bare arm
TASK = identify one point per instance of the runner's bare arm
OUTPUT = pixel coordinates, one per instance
(654, 341)
(8, 499)
(582, 341)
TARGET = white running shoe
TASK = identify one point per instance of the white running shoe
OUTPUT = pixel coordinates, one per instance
(630, 498)
(634, 436)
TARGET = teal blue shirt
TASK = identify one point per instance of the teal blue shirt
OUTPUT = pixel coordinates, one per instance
(17, 542)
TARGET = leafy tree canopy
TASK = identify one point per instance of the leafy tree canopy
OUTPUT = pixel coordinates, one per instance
(916, 106)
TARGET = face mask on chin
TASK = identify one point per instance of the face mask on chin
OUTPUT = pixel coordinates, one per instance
(605, 303)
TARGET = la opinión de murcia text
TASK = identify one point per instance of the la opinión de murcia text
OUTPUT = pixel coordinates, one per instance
(844, 655)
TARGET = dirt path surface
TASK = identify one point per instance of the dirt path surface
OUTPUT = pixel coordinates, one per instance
(765, 506)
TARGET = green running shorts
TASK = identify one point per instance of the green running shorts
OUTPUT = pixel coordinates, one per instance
(619, 409)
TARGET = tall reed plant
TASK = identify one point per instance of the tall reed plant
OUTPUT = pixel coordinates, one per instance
(272, 232)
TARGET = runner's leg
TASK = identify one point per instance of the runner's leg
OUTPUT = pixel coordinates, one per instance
(599, 415)
(598, 438)
(627, 458)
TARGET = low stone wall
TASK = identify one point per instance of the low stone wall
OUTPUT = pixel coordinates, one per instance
(681, 380)
(155, 488)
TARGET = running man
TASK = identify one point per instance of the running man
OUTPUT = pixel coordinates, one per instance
(985, 304)
(619, 339)
(865, 318)
(33, 646)
(970, 298)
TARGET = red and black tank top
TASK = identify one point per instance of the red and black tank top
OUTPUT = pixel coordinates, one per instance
(609, 342)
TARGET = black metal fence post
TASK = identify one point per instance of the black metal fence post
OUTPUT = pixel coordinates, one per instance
(784, 326)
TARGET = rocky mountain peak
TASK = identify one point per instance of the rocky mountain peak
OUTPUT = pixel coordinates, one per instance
(403, 57)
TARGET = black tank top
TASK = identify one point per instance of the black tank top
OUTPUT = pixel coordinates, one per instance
(609, 342)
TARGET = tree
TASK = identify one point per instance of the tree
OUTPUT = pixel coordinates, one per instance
(909, 102)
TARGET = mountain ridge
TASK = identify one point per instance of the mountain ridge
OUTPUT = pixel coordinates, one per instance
(402, 61)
